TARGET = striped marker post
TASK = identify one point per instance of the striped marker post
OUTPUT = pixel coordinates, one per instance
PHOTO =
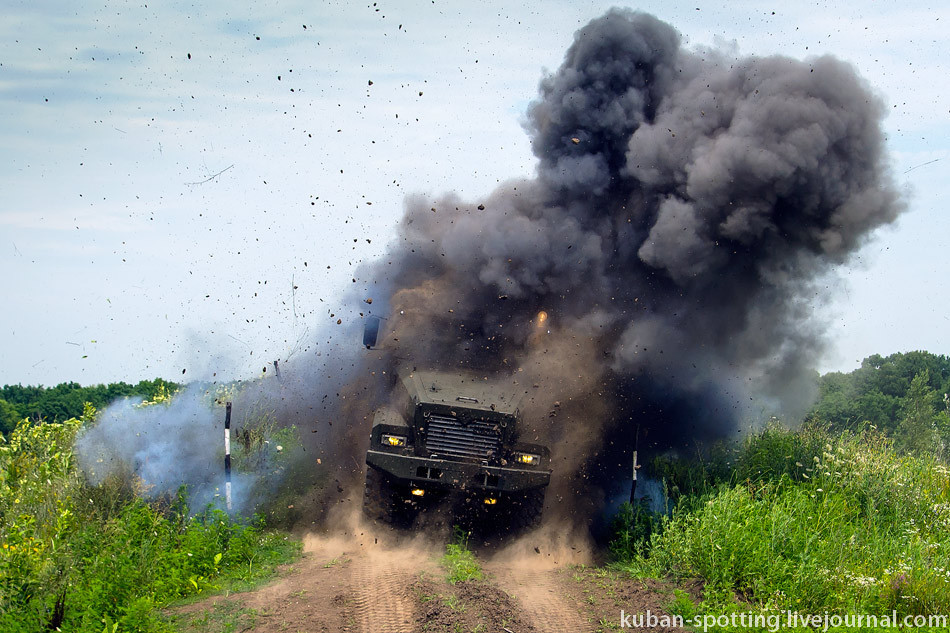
(633, 488)
(227, 454)
(636, 445)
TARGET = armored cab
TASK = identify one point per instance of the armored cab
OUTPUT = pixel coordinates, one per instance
(454, 439)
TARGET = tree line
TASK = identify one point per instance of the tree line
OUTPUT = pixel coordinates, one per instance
(905, 395)
(65, 400)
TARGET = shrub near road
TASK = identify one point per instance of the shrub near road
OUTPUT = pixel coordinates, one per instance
(82, 558)
(814, 524)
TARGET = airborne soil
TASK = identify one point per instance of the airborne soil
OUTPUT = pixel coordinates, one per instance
(381, 582)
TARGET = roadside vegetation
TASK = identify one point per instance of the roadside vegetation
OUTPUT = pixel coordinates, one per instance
(100, 559)
(459, 561)
(837, 517)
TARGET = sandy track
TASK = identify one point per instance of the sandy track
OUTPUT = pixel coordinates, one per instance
(361, 584)
(544, 595)
(535, 571)
(378, 597)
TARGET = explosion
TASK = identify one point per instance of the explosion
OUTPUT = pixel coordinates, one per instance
(685, 204)
(659, 272)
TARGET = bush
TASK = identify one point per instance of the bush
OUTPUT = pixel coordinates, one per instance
(631, 530)
(83, 558)
(858, 528)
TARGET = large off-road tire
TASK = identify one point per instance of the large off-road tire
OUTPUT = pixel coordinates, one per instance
(379, 499)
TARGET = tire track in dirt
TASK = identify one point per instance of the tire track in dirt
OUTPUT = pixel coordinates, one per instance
(367, 581)
(543, 595)
(378, 598)
(343, 584)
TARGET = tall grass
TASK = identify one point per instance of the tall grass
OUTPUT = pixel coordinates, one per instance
(815, 523)
(75, 557)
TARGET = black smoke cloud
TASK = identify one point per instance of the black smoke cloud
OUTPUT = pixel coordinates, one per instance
(661, 271)
(685, 205)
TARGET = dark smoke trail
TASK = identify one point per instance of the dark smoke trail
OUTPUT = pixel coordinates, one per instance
(685, 204)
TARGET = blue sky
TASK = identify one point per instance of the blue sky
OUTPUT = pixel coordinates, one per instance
(125, 257)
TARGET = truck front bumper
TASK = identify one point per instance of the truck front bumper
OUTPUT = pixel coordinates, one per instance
(440, 473)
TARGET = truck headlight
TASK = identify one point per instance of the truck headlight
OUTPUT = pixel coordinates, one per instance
(393, 440)
(528, 458)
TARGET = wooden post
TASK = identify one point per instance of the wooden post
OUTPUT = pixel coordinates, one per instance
(227, 454)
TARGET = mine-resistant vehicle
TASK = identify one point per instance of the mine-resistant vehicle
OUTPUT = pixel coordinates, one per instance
(454, 441)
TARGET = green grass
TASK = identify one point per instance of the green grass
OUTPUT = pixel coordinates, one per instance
(92, 558)
(459, 561)
(223, 617)
(814, 524)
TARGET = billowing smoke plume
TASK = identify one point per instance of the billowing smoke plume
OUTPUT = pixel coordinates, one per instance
(660, 269)
(165, 446)
(659, 273)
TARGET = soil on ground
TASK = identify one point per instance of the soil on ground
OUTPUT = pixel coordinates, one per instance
(366, 582)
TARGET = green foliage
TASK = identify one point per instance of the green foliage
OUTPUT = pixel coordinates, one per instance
(815, 522)
(698, 474)
(87, 558)
(459, 561)
(630, 530)
(682, 605)
(777, 452)
(9, 416)
(917, 430)
(875, 393)
(764, 456)
(66, 400)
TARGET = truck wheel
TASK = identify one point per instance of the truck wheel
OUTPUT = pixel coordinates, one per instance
(525, 511)
(378, 497)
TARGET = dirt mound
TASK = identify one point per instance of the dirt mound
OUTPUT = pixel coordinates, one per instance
(471, 605)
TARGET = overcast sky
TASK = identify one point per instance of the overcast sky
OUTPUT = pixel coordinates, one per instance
(189, 186)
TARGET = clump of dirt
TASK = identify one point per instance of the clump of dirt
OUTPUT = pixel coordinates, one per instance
(471, 605)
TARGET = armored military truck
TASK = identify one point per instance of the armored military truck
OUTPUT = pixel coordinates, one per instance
(453, 440)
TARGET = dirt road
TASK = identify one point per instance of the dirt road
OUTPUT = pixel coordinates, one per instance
(360, 584)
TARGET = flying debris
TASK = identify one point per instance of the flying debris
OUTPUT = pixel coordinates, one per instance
(639, 279)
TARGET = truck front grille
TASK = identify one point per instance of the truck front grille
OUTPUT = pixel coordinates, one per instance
(448, 437)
